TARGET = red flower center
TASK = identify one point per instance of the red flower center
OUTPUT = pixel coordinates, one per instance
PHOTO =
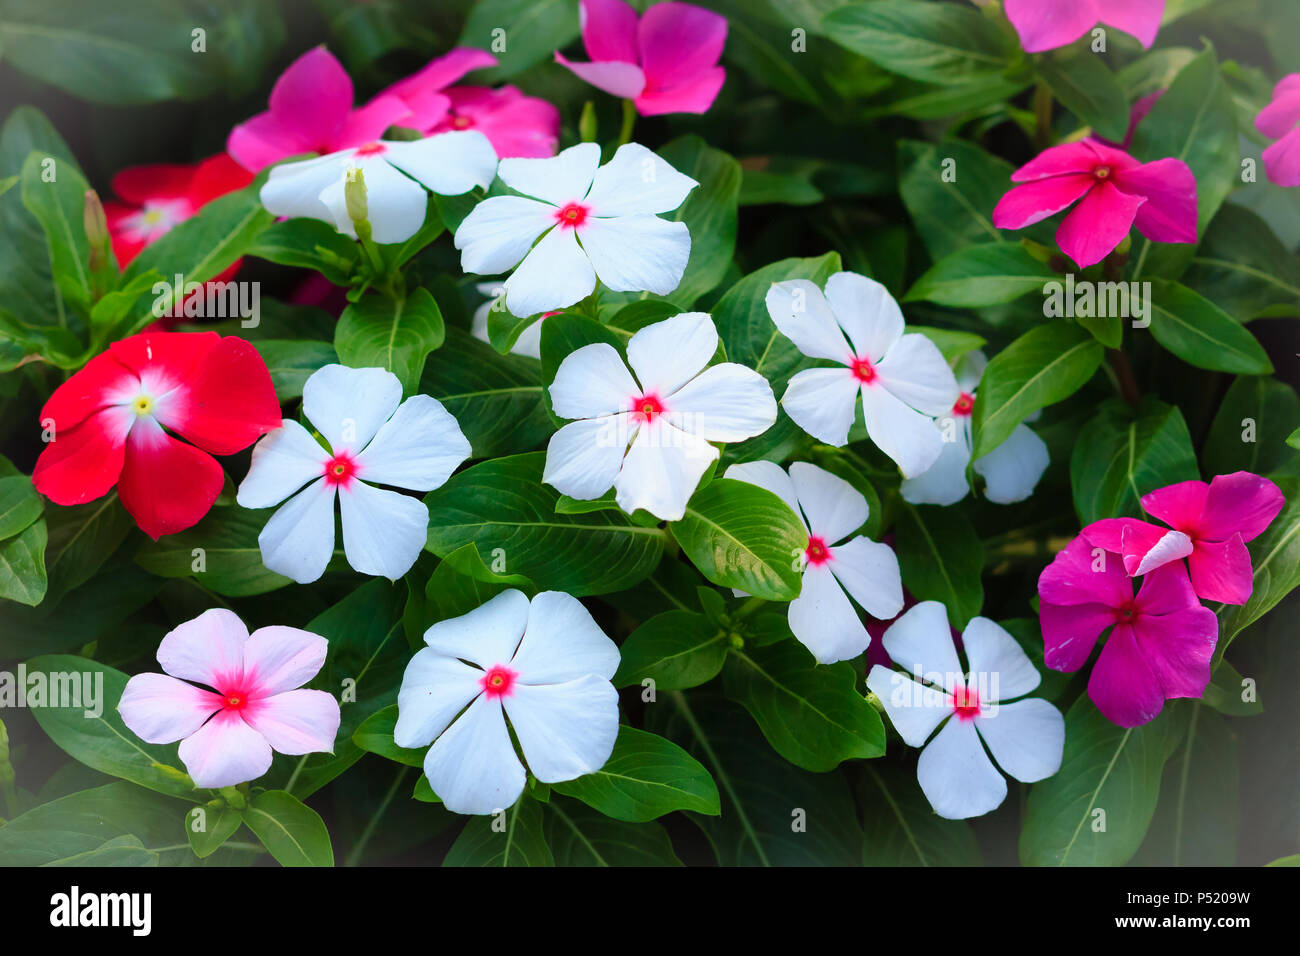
(235, 701)
(461, 122)
(647, 408)
(340, 470)
(817, 553)
(1126, 613)
(966, 703)
(371, 149)
(965, 402)
(498, 681)
(1101, 172)
(862, 370)
(571, 215)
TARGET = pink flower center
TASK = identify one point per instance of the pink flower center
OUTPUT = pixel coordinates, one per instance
(340, 470)
(235, 701)
(460, 122)
(817, 553)
(1101, 172)
(571, 215)
(499, 681)
(862, 370)
(962, 407)
(371, 149)
(647, 408)
(1126, 613)
(966, 703)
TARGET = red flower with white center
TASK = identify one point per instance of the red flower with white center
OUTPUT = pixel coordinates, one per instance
(112, 423)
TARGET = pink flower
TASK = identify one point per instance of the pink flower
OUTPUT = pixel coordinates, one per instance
(311, 112)
(1115, 192)
(227, 733)
(422, 91)
(1161, 640)
(1280, 120)
(1136, 115)
(667, 62)
(1047, 24)
(1211, 525)
(516, 125)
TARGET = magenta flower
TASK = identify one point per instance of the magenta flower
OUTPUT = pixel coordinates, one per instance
(1210, 527)
(1114, 191)
(1136, 115)
(311, 112)
(1048, 24)
(1280, 120)
(667, 62)
(1160, 644)
(255, 705)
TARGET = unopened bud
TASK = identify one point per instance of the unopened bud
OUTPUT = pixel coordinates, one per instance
(96, 225)
(587, 123)
(354, 193)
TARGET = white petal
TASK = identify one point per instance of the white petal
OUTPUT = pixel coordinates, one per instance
(970, 369)
(835, 509)
(1026, 738)
(867, 312)
(279, 658)
(473, 766)
(395, 203)
(915, 371)
(584, 457)
(529, 342)
(499, 231)
(822, 401)
(592, 381)
(383, 531)
(636, 180)
(803, 315)
(727, 402)
(637, 253)
(921, 642)
(824, 621)
(283, 461)
(944, 482)
(447, 163)
(1011, 471)
(225, 751)
(418, 448)
(770, 476)
(957, 776)
(486, 636)
(435, 688)
(998, 665)
(208, 649)
(906, 436)
(298, 541)
(913, 708)
(562, 642)
(1172, 546)
(666, 355)
(347, 405)
(557, 179)
(869, 571)
(294, 189)
(662, 470)
(554, 275)
(565, 730)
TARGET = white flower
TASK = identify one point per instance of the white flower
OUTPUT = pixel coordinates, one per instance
(830, 508)
(593, 223)
(416, 446)
(546, 665)
(1025, 737)
(396, 175)
(903, 379)
(529, 342)
(650, 441)
(1011, 471)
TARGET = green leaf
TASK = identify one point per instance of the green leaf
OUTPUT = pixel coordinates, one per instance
(675, 649)
(293, 832)
(1080, 80)
(579, 836)
(743, 536)
(1275, 557)
(1202, 334)
(901, 829)
(709, 212)
(1096, 809)
(645, 777)
(977, 276)
(209, 827)
(292, 362)
(504, 504)
(380, 333)
(22, 566)
(59, 206)
(954, 344)
(1242, 267)
(1228, 693)
(20, 505)
(375, 735)
(81, 539)
(451, 592)
(220, 553)
(513, 837)
(812, 715)
(1047, 364)
(941, 559)
(308, 244)
(521, 32)
(1250, 429)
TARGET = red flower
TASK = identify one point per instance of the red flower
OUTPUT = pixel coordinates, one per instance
(111, 424)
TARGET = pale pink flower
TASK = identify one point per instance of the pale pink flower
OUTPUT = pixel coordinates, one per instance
(1048, 24)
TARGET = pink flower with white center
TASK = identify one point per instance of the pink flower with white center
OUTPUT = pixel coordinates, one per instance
(255, 705)
(1048, 24)
(648, 437)
(1280, 120)
(978, 708)
(1010, 471)
(529, 342)
(593, 223)
(831, 509)
(667, 62)
(903, 379)
(1210, 523)
(414, 445)
(396, 176)
(544, 664)
(1160, 644)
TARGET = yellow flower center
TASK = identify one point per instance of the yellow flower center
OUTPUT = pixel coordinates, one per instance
(143, 405)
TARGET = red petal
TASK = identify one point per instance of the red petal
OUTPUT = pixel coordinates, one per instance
(215, 177)
(164, 181)
(166, 485)
(103, 381)
(83, 463)
(164, 360)
(229, 401)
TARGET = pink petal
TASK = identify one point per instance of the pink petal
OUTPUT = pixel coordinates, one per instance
(615, 77)
(368, 123)
(1081, 157)
(694, 97)
(1280, 116)
(1132, 539)
(1070, 633)
(1282, 160)
(1098, 224)
(1239, 503)
(208, 649)
(1178, 643)
(1165, 590)
(261, 141)
(516, 125)
(296, 722)
(1047, 24)
(162, 710)
(1141, 18)
(225, 751)
(608, 30)
(428, 110)
(278, 659)
(1123, 685)
(679, 42)
(1169, 214)
(1179, 506)
(312, 98)
(1070, 579)
(1035, 201)
(1221, 570)
(443, 71)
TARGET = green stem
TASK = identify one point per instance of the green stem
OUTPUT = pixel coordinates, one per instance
(1043, 115)
(748, 608)
(354, 855)
(629, 123)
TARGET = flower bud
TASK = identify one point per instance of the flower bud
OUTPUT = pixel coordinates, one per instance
(354, 193)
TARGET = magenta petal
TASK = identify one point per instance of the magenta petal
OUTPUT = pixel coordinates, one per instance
(312, 98)
(1035, 201)
(1169, 214)
(516, 125)
(1179, 505)
(1239, 503)
(678, 42)
(1098, 224)
(608, 30)
(694, 97)
(1221, 570)
(161, 710)
(1141, 18)
(442, 71)
(1123, 685)
(1280, 116)
(1048, 24)
(1165, 590)
(261, 141)
(1108, 533)
(368, 123)
(1128, 537)
(1178, 648)
(427, 110)
(1070, 579)
(1070, 633)
(615, 77)
(1282, 160)
(1061, 160)
(296, 722)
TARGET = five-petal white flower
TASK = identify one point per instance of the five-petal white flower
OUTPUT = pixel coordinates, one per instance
(903, 379)
(594, 223)
(830, 509)
(649, 437)
(396, 175)
(1011, 471)
(1026, 736)
(415, 445)
(545, 664)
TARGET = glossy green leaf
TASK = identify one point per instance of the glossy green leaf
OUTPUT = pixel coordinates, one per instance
(941, 559)
(982, 275)
(1202, 334)
(380, 333)
(675, 649)
(293, 832)
(515, 837)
